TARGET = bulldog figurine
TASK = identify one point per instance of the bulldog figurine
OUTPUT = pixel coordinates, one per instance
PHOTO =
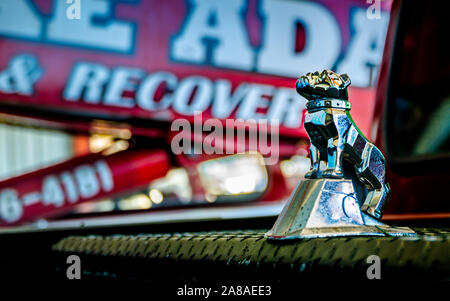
(345, 195)
(335, 137)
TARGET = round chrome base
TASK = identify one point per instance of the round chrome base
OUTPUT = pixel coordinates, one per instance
(328, 208)
(343, 231)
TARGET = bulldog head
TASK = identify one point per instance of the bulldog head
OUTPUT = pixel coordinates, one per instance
(323, 85)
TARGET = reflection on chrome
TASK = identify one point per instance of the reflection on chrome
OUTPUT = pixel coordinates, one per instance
(345, 189)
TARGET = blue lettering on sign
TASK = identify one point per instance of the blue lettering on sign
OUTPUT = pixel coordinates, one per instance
(97, 28)
(214, 33)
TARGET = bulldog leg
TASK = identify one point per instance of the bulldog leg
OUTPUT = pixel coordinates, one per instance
(335, 149)
(375, 201)
(372, 172)
(315, 162)
(336, 142)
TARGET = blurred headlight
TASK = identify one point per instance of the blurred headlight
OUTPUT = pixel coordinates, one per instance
(234, 175)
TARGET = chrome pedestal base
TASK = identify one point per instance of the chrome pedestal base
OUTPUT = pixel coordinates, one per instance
(328, 208)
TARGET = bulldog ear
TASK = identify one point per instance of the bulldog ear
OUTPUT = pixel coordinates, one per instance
(301, 83)
(346, 80)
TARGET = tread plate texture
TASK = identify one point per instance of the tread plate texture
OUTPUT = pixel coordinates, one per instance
(248, 255)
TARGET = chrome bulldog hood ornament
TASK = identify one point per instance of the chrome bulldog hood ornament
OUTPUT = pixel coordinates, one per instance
(346, 195)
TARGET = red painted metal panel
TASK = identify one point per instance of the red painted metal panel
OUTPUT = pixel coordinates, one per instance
(54, 190)
(43, 54)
